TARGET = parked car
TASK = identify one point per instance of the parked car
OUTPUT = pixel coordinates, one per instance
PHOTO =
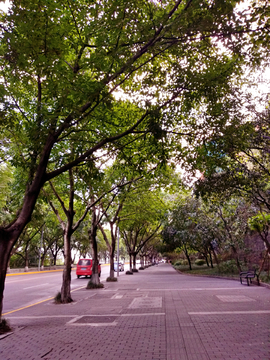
(84, 268)
(121, 266)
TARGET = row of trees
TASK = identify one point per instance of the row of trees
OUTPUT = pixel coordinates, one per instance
(214, 230)
(84, 83)
(228, 207)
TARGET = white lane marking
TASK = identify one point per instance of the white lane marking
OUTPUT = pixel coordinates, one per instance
(146, 302)
(144, 314)
(73, 322)
(42, 316)
(117, 296)
(202, 289)
(229, 312)
(76, 317)
(234, 298)
(94, 324)
(30, 287)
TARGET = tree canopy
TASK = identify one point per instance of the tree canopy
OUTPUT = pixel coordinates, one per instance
(83, 79)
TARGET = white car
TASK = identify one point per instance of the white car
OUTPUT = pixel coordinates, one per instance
(121, 266)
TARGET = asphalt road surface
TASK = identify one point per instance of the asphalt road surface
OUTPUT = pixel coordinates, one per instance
(27, 289)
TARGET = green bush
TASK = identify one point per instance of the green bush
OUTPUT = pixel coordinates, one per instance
(111, 279)
(228, 267)
(265, 278)
(178, 263)
(129, 272)
(184, 262)
(199, 262)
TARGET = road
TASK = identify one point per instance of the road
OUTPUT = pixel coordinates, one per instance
(27, 289)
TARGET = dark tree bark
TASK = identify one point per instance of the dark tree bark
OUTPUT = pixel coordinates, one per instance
(66, 279)
(187, 256)
(93, 241)
(211, 260)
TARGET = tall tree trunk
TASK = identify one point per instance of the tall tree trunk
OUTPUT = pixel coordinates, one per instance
(206, 258)
(93, 242)
(112, 248)
(110, 245)
(235, 255)
(5, 250)
(211, 259)
(111, 264)
(187, 256)
(66, 280)
(134, 260)
(130, 262)
(215, 255)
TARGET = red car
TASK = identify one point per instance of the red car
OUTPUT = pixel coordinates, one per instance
(84, 268)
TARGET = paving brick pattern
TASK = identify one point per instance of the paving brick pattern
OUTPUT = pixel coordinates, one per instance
(156, 314)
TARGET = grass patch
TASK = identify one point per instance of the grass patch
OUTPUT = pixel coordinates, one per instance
(91, 285)
(223, 271)
(111, 279)
(205, 270)
(4, 327)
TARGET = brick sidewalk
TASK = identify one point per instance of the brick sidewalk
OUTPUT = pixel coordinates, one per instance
(156, 314)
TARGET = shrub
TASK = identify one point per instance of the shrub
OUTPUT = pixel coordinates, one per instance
(129, 272)
(199, 262)
(184, 262)
(91, 285)
(141, 268)
(228, 267)
(178, 263)
(135, 270)
(4, 326)
(111, 279)
(265, 278)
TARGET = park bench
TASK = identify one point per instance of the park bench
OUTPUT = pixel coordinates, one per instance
(249, 275)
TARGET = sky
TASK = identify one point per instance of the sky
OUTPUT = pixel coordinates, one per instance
(4, 5)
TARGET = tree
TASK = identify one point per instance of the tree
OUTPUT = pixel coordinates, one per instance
(179, 228)
(27, 245)
(261, 224)
(110, 239)
(68, 228)
(59, 70)
(52, 241)
(141, 217)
